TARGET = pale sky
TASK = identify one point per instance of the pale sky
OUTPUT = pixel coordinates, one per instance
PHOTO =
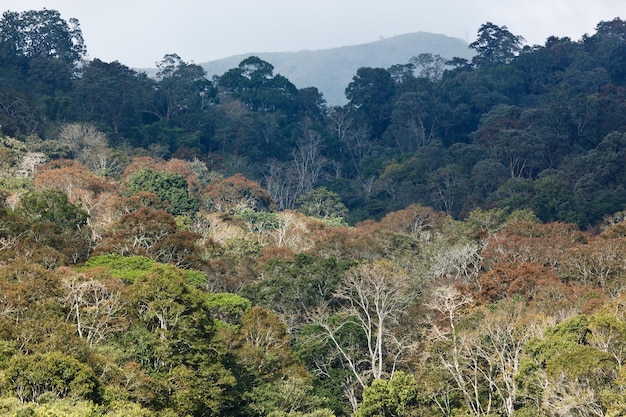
(138, 33)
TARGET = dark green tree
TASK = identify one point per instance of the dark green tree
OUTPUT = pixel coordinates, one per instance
(40, 34)
(182, 88)
(495, 45)
(370, 93)
(323, 204)
(112, 95)
(254, 83)
(171, 188)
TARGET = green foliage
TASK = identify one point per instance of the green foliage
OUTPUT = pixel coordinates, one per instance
(293, 287)
(126, 268)
(254, 83)
(171, 188)
(516, 137)
(51, 375)
(396, 397)
(323, 204)
(227, 307)
(53, 207)
(495, 45)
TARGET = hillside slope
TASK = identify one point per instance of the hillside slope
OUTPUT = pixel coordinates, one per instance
(331, 70)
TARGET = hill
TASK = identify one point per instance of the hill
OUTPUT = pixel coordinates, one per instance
(331, 70)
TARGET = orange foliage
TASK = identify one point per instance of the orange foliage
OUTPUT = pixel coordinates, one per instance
(141, 199)
(67, 176)
(94, 194)
(236, 193)
(414, 220)
(272, 252)
(543, 244)
(137, 164)
(537, 284)
(363, 242)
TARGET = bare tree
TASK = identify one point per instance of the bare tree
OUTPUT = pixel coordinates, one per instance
(449, 303)
(374, 296)
(95, 307)
(29, 163)
(308, 160)
(281, 184)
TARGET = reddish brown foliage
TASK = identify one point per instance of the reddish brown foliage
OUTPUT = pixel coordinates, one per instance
(414, 220)
(142, 199)
(237, 192)
(531, 242)
(137, 165)
(68, 176)
(137, 233)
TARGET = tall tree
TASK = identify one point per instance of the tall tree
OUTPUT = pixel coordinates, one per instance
(111, 95)
(495, 45)
(41, 34)
(182, 87)
(370, 93)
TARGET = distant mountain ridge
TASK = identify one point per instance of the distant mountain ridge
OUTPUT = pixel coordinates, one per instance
(331, 70)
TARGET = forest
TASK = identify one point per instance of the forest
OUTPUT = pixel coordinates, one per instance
(451, 242)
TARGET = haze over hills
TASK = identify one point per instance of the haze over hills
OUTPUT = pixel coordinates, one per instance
(331, 70)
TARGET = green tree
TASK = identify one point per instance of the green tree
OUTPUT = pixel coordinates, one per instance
(171, 188)
(396, 397)
(254, 83)
(370, 93)
(51, 374)
(495, 45)
(323, 204)
(112, 95)
(507, 135)
(172, 339)
(182, 88)
(41, 34)
(563, 370)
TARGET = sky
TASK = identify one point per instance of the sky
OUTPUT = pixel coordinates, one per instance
(138, 33)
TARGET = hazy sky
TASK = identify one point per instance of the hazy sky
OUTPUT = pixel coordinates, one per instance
(139, 33)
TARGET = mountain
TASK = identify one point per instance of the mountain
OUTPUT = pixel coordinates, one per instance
(331, 70)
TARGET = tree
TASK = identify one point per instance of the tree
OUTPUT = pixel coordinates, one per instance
(254, 83)
(608, 45)
(495, 45)
(411, 128)
(57, 223)
(41, 34)
(56, 374)
(370, 93)
(84, 143)
(323, 204)
(171, 188)
(564, 373)
(429, 66)
(95, 306)
(396, 397)
(138, 232)
(372, 298)
(181, 88)
(172, 338)
(507, 134)
(112, 95)
(308, 160)
(236, 193)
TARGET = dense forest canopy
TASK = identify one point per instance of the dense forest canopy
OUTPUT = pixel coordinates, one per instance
(451, 242)
(517, 127)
